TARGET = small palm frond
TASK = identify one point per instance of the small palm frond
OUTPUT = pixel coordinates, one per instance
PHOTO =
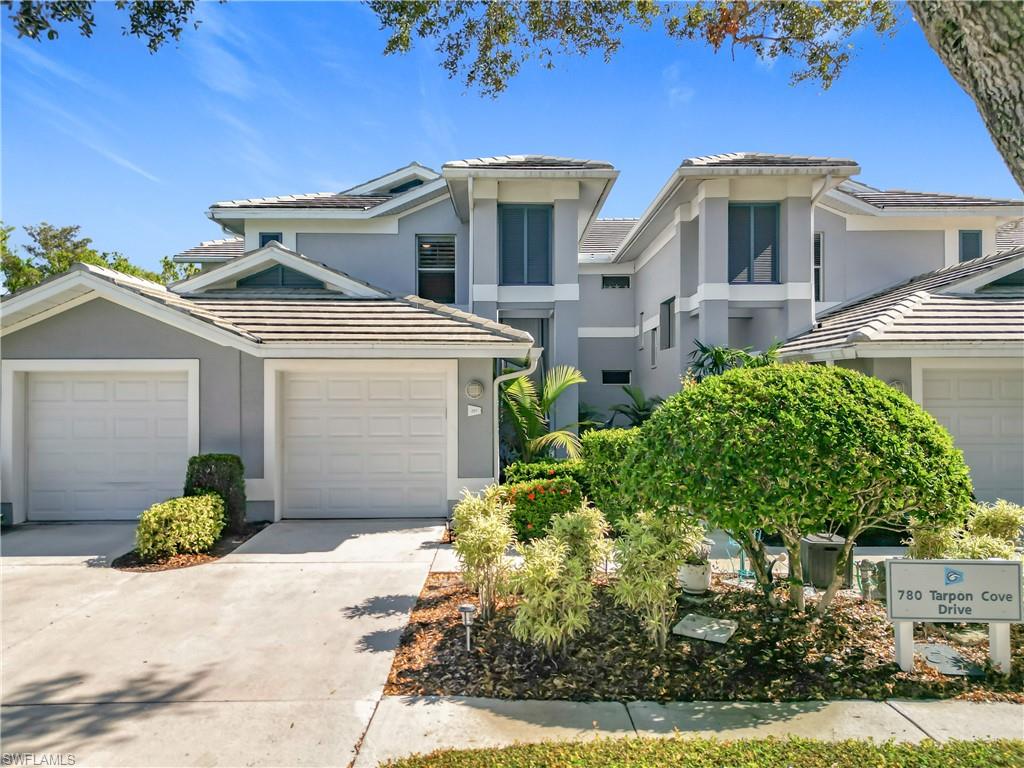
(557, 381)
(560, 438)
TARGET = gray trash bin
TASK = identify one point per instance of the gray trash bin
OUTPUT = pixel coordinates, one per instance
(818, 555)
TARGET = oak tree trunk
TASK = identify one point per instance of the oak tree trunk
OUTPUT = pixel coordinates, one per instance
(982, 45)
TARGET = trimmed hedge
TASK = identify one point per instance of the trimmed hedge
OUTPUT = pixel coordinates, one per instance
(223, 474)
(604, 466)
(535, 502)
(712, 753)
(522, 471)
(186, 525)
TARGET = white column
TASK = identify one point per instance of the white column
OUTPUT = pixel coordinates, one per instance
(999, 646)
(904, 644)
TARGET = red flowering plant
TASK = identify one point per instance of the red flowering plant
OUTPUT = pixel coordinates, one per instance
(535, 502)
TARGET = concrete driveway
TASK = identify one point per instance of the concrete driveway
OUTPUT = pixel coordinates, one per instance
(274, 655)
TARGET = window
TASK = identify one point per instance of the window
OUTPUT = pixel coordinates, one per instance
(753, 243)
(819, 270)
(279, 277)
(615, 281)
(615, 377)
(405, 187)
(640, 334)
(267, 237)
(970, 244)
(435, 268)
(524, 240)
(654, 347)
(666, 319)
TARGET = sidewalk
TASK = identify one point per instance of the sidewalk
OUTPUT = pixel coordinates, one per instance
(404, 725)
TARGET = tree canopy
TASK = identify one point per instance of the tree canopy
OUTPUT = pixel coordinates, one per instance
(51, 250)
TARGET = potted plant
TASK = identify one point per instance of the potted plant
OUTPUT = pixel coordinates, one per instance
(695, 573)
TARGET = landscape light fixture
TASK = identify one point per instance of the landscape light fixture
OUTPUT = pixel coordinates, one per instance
(468, 611)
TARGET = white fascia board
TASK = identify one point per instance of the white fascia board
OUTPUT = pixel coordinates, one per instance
(974, 282)
(608, 332)
(388, 179)
(606, 268)
(55, 309)
(260, 259)
(949, 352)
(666, 191)
(824, 169)
(372, 350)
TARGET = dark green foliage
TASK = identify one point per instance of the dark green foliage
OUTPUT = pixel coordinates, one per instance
(711, 360)
(792, 448)
(224, 474)
(521, 471)
(714, 753)
(604, 468)
(637, 409)
(180, 526)
(535, 502)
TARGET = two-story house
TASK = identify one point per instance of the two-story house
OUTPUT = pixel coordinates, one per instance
(350, 346)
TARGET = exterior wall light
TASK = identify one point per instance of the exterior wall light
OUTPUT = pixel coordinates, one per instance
(468, 611)
(474, 389)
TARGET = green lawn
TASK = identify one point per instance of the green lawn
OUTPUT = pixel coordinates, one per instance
(707, 753)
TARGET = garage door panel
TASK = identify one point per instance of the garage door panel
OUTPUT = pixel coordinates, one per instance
(104, 446)
(984, 412)
(383, 449)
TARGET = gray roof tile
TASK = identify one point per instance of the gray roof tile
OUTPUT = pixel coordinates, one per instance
(311, 200)
(917, 311)
(213, 250)
(763, 159)
(1010, 235)
(606, 235)
(903, 198)
(529, 162)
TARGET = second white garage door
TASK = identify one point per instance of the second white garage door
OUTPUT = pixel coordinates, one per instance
(364, 444)
(104, 446)
(984, 411)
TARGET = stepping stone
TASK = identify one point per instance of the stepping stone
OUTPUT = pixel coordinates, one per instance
(947, 660)
(705, 628)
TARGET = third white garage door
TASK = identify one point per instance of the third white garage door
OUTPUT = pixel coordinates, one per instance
(984, 411)
(364, 444)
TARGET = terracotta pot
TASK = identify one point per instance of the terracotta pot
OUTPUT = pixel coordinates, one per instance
(695, 579)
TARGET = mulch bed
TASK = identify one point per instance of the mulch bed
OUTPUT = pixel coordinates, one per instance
(773, 656)
(226, 544)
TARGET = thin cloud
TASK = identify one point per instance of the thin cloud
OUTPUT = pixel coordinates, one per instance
(677, 91)
(33, 61)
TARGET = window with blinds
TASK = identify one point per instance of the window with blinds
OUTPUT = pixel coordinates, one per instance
(435, 268)
(524, 240)
(753, 243)
(819, 268)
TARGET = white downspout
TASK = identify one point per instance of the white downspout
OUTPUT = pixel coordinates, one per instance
(825, 186)
(472, 247)
(534, 356)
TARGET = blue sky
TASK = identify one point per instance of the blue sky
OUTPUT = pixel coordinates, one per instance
(277, 98)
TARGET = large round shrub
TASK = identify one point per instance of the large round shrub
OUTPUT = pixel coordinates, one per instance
(794, 449)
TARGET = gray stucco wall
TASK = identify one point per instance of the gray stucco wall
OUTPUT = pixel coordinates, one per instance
(476, 447)
(597, 355)
(857, 263)
(389, 261)
(605, 307)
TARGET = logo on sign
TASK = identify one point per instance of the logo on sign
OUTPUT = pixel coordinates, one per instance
(953, 576)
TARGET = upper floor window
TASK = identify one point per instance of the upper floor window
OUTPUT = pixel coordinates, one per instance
(268, 237)
(819, 268)
(970, 244)
(435, 268)
(753, 242)
(641, 331)
(524, 243)
(615, 281)
(654, 347)
(666, 318)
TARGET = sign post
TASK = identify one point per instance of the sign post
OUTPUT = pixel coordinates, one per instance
(947, 591)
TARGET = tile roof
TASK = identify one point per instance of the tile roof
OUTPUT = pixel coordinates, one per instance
(318, 316)
(1010, 235)
(312, 200)
(902, 198)
(763, 159)
(213, 250)
(916, 311)
(529, 162)
(606, 235)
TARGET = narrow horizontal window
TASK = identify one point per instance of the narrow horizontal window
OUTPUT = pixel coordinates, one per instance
(615, 377)
(268, 237)
(435, 268)
(615, 281)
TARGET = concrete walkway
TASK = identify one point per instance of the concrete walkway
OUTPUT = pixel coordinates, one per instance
(427, 723)
(274, 655)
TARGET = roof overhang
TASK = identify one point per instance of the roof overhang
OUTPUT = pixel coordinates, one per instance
(228, 274)
(871, 349)
(844, 203)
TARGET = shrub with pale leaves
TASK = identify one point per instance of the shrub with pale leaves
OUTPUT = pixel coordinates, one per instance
(584, 531)
(483, 534)
(556, 594)
(1002, 520)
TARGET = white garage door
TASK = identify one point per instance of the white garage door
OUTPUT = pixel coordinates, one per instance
(104, 446)
(364, 444)
(984, 411)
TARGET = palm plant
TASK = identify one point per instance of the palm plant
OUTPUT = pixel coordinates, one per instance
(526, 413)
(709, 360)
(638, 409)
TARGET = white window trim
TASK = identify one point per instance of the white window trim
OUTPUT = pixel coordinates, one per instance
(13, 466)
(272, 482)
